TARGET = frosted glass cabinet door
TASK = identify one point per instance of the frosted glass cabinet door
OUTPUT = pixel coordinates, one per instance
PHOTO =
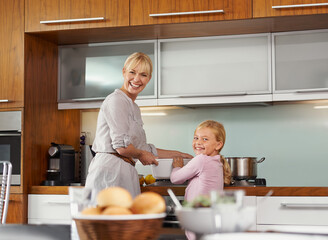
(215, 66)
(301, 62)
(91, 72)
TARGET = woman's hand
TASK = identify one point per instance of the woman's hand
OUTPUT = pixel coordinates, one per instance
(185, 155)
(177, 162)
(147, 158)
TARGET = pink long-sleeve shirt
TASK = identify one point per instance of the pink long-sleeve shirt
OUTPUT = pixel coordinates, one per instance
(205, 173)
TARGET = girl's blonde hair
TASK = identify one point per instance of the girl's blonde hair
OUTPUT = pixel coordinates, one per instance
(141, 59)
(220, 135)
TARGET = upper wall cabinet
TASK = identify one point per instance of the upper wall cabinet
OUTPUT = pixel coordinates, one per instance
(88, 73)
(12, 54)
(273, 8)
(214, 70)
(44, 15)
(143, 12)
(300, 65)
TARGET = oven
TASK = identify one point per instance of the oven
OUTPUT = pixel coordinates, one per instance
(171, 220)
(10, 143)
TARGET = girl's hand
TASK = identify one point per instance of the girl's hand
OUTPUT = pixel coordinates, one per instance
(177, 162)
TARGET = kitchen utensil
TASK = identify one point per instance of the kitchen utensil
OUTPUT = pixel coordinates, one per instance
(243, 168)
(164, 168)
(174, 198)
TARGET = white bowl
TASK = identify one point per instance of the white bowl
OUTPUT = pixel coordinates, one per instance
(227, 218)
(164, 168)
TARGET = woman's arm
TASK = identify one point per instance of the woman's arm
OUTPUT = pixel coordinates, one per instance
(162, 153)
(146, 158)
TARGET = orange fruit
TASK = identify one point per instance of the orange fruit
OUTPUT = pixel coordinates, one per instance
(149, 179)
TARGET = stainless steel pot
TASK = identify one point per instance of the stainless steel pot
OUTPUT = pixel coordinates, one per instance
(243, 168)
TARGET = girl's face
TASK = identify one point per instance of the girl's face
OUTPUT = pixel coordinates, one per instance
(205, 142)
(135, 81)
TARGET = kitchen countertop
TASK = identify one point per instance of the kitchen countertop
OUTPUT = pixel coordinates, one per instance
(62, 232)
(179, 190)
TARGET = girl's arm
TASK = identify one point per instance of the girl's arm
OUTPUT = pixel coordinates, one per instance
(181, 174)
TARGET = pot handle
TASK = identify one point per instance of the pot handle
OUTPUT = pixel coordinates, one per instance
(261, 160)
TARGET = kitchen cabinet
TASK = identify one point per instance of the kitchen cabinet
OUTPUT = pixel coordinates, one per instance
(16, 213)
(46, 15)
(11, 54)
(88, 73)
(273, 8)
(300, 63)
(215, 70)
(274, 213)
(49, 209)
(144, 12)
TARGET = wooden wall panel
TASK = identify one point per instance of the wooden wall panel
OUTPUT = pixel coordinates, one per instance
(43, 122)
(16, 209)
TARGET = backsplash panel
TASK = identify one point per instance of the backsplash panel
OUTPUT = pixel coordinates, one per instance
(292, 137)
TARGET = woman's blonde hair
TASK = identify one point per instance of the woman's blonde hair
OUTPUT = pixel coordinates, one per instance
(220, 135)
(141, 59)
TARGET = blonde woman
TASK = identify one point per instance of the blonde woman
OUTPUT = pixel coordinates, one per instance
(120, 139)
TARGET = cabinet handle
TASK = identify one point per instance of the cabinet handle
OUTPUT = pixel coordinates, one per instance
(73, 20)
(312, 90)
(88, 99)
(304, 205)
(5, 100)
(215, 94)
(58, 203)
(301, 5)
(185, 13)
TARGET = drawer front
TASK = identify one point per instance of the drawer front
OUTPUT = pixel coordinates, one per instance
(49, 221)
(144, 12)
(47, 206)
(292, 210)
(272, 8)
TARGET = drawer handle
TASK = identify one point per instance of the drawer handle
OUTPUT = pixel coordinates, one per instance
(5, 100)
(215, 95)
(185, 13)
(300, 5)
(312, 90)
(58, 203)
(73, 20)
(304, 205)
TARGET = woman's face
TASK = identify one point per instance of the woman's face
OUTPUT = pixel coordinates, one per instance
(205, 142)
(135, 81)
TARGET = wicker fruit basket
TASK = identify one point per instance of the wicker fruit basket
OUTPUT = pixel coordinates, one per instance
(119, 227)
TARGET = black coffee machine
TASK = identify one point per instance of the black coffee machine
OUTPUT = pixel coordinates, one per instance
(61, 165)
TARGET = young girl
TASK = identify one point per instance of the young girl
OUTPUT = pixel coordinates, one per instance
(208, 170)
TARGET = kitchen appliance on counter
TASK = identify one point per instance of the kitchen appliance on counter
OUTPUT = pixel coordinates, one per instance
(61, 165)
(10, 143)
(244, 171)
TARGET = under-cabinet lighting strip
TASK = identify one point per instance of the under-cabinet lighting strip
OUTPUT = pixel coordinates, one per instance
(73, 20)
(301, 5)
(185, 13)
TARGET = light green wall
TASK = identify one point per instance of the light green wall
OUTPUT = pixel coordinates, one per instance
(292, 137)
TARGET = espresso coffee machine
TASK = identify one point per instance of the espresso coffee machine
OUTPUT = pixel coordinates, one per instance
(61, 165)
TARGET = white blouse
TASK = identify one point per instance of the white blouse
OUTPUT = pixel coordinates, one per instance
(119, 125)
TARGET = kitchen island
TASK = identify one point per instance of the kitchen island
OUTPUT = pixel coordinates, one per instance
(61, 232)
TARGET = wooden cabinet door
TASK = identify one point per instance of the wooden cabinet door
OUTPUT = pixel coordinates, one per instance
(272, 8)
(17, 209)
(143, 12)
(44, 15)
(11, 53)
